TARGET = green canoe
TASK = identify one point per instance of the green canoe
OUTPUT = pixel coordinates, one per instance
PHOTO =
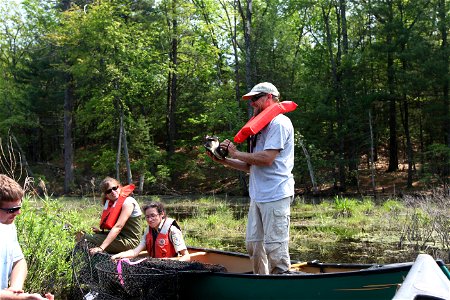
(312, 280)
(218, 275)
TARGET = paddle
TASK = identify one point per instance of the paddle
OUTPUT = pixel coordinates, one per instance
(304, 263)
(299, 265)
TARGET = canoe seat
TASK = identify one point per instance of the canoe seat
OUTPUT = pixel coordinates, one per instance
(142, 254)
(375, 266)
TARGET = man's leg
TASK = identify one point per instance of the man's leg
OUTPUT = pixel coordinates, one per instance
(254, 241)
(278, 257)
(276, 221)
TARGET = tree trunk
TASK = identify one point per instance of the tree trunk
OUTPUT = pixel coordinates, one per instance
(119, 148)
(372, 162)
(310, 168)
(337, 96)
(408, 144)
(393, 144)
(141, 184)
(347, 93)
(236, 58)
(247, 23)
(68, 142)
(125, 150)
(421, 140)
(405, 121)
(442, 13)
(246, 17)
(172, 85)
(68, 121)
(409, 153)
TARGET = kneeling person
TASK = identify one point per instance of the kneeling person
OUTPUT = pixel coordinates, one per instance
(162, 238)
(120, 224)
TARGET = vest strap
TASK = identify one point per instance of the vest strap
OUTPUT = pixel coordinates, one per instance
(166, 226)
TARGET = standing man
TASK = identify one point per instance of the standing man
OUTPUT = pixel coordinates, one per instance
(269, 162)
(13, 267)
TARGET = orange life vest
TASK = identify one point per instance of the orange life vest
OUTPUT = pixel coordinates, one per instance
(255, 124)
(162, 246)
(111, 210)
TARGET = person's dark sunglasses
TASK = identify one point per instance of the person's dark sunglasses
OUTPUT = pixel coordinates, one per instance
(256, 97)
(11, 210)
(108, 191)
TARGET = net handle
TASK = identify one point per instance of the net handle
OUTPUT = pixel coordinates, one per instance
(126, 260)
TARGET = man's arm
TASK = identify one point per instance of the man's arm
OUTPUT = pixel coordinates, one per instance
(230, 162)
(260, 158)
(18, 275)
(243, 160)
(235, 164)
(8, 295)
(17, 280)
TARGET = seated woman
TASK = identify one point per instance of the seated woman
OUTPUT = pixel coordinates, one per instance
(161, 239)
(120, 224)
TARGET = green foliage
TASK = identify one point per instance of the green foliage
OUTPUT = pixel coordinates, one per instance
(20, 102)
(320, 161)
(46, 238)
(104, 162)
(366, 207)
(393, 206)
(344, 206)
(339, 233)
(437, 162)
(162, 173)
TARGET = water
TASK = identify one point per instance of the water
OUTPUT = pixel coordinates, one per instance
(342, 251)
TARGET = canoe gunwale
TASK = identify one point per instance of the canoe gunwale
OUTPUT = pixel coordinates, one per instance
(360, 269)
(293, 276)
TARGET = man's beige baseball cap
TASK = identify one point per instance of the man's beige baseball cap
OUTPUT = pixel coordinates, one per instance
(263, 87)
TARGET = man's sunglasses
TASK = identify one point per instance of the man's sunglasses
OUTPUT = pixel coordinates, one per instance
(11, 210)
(108, 191)
(256, 97)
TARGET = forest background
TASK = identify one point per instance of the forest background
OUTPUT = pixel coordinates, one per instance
(129, 89)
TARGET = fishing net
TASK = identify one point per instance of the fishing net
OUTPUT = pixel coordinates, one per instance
(84, 274)
(98, 277)
(137, 281)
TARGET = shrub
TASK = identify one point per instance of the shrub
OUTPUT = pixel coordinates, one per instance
(345, 207)
(437, 162)
(46, 241)
(393, 206)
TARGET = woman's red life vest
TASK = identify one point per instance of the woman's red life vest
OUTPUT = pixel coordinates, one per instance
(162, 246)
(255, 124)
(111, 210)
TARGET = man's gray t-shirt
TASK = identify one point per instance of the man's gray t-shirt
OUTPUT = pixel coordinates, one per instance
(275, 182)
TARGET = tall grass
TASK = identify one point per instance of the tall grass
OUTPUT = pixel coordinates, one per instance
(214, 226)
(47, 239)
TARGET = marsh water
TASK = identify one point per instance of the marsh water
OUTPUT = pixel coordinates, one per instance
(344, 251)
(308, 248)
